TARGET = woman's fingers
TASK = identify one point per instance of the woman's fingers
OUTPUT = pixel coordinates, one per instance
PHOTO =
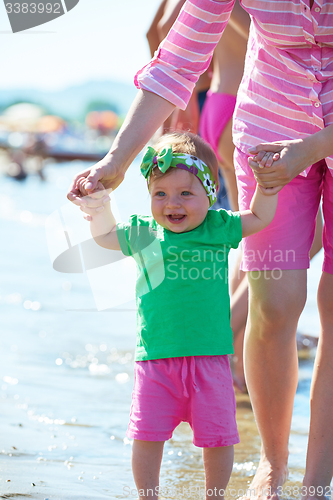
(74, 193)
(269, 158)
(93, 178)
(258, 157)
(258, 167)
(263, 159)
(75, 197)
(86, 183)
(97, 198)
(274, 147)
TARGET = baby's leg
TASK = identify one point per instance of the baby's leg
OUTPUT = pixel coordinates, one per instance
(146, 464)
(218, 464)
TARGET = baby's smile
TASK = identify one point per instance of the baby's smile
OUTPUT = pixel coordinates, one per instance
(176, 218)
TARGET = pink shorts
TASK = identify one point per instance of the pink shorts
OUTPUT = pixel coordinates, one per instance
(286, 242)
(195, 389)
(216, 113)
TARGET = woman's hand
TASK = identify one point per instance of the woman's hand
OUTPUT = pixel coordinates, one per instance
(271, 171)
(103, 172)
(92, 202)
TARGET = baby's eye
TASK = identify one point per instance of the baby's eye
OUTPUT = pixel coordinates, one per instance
(186, 193)
(160, 194)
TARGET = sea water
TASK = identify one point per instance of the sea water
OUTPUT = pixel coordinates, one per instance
(66, 369)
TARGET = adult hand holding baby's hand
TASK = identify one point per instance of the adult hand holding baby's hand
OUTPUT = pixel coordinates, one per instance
(92, 201)
(275, 164)
(103, 173)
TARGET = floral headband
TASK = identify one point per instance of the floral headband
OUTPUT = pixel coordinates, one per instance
(166, 159)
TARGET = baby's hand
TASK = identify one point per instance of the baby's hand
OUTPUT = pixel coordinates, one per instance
(81, 186)
(265, 158)
(94, 201)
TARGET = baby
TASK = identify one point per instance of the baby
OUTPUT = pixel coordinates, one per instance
(184, 336)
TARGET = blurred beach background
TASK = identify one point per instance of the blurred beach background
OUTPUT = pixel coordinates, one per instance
(66, 369)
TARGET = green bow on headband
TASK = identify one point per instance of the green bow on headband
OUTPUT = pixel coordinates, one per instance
(166, 159)
(153, 159)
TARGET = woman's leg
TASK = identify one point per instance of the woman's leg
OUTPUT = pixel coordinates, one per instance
(319, 463)
(237, 275)
(317, 243)
(226, 152)
(238, 309)
(238, 281)
(271, 368)
(237, 363)
(218, 464)
(146, 464)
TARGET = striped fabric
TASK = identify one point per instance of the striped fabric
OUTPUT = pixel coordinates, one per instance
(287, 87)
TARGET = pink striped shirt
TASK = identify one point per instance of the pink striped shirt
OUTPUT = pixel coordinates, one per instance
(287, 87)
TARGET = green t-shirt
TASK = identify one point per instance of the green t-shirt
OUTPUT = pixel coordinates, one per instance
(182, 292)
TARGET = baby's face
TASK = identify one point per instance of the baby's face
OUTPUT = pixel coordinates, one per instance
(179, 201)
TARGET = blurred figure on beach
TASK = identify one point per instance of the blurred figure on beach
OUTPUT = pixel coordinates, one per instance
(216, 128)
(188, 119)
(210, 111)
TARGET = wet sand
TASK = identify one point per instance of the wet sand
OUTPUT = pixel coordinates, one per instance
(47, 458)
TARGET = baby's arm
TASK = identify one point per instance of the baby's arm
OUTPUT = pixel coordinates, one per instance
(260, 214)
(103, 225)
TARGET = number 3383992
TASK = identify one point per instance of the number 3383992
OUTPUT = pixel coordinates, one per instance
(33, 8)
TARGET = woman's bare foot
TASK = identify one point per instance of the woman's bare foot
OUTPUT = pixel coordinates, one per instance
(267, 483)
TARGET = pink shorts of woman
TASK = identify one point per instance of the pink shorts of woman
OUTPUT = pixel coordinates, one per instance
(286, 242)
(194, 389)
(216, 113)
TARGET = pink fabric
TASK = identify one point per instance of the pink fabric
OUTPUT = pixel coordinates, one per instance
(195, 389)
(286, 242)
(216, 113)
(287, 88)
(327, 193)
